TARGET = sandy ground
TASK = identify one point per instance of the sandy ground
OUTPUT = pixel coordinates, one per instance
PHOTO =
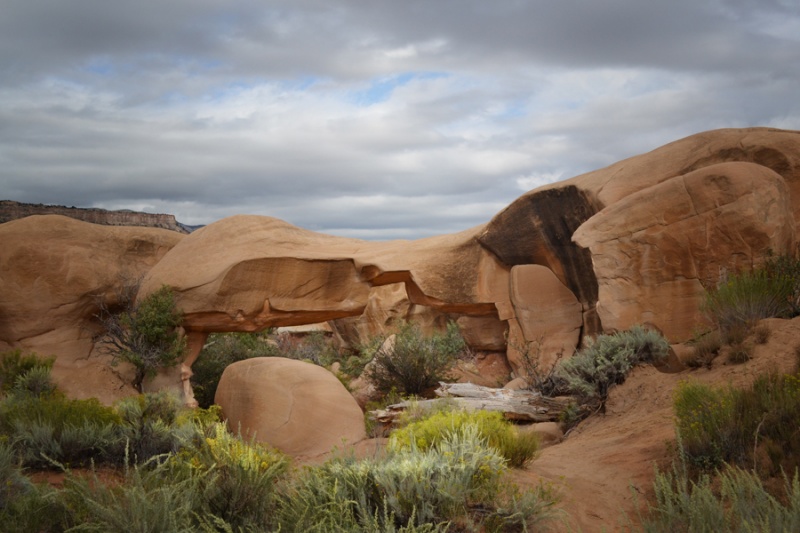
(605, 467)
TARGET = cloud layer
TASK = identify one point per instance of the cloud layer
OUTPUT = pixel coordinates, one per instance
(378, 119)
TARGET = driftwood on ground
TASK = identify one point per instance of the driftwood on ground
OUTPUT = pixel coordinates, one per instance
(523, 405)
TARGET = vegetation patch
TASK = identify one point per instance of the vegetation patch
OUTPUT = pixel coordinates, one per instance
(516, 447)
(605, 362)
(143, 332)
(415, 363)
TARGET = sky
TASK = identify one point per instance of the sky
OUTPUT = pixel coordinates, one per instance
(375, 119)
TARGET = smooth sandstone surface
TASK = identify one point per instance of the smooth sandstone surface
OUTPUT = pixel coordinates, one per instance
(548, 317)
(656, 252)
(54, 271)
(300, 408)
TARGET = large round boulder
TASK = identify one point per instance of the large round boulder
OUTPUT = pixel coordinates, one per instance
(300, 408)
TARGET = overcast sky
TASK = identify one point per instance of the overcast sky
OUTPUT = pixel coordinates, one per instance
(375, 119)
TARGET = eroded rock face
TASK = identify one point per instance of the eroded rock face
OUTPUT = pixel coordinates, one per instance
(247, 273)
(300, 408)
(53, 271)
(656, 250)
(537, 228)
(548, 317)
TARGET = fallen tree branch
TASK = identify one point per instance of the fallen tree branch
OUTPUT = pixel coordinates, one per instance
(522, 405)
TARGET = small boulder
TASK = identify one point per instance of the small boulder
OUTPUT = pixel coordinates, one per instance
(300, 408)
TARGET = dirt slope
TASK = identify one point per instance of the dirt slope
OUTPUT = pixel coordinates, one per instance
(609, 458)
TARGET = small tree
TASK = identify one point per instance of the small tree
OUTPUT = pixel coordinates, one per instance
(143, 333)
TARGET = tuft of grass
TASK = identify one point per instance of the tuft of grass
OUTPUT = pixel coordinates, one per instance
(151, 500)
(737, 501)
(740, 353)
(761, 334)
(706, 347)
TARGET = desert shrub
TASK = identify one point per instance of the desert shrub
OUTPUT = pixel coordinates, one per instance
(737, 501)
(411, 486)
(153, 424)
(150, 500)
(12, 481)
(56, 428)
(537, 376)
(706, 347)
(786, 267)
(14, 364)
(415, 363)
(728, 425)
(36, 381)
(761, 334)
(605, 362)
(516, 447)
(737, 303)
(24, 507)
(740, 353)
(143, 333)
(221, 350)
(314, 347)
(240, 488)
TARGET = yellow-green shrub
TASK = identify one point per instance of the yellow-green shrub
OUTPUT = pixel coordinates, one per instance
(516, 447)
(240, 482)
(727, 425)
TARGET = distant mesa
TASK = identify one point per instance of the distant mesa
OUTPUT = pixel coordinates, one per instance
(11, 210)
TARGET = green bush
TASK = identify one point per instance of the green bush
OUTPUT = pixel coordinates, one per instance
(220, 351)
(144, 333)
(605, 362)
(150, 500)
(68, 431)
(36, 382)
(314, 347)
(515, 447)
(24, 507)
(14, 364)
(240, 489)
(12, 481)
(415, 363)
(728, 425)
(456, 480)
(740, 504)
(738, 303)
(153, 424)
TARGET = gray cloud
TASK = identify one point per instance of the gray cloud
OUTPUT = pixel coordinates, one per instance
(376, 119)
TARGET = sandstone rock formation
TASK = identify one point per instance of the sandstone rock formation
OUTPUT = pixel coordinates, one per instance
(247, 273)
(538, 227)
(299, 408)
(53, 271)
(638, 241)
(10, 210)
(547, 320)
(657, 250)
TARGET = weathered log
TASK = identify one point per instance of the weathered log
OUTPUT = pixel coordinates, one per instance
(522, 405)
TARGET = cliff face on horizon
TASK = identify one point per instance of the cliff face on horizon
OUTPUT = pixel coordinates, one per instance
(11, 210)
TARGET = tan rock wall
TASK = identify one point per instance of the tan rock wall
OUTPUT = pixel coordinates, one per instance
(655, 251)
